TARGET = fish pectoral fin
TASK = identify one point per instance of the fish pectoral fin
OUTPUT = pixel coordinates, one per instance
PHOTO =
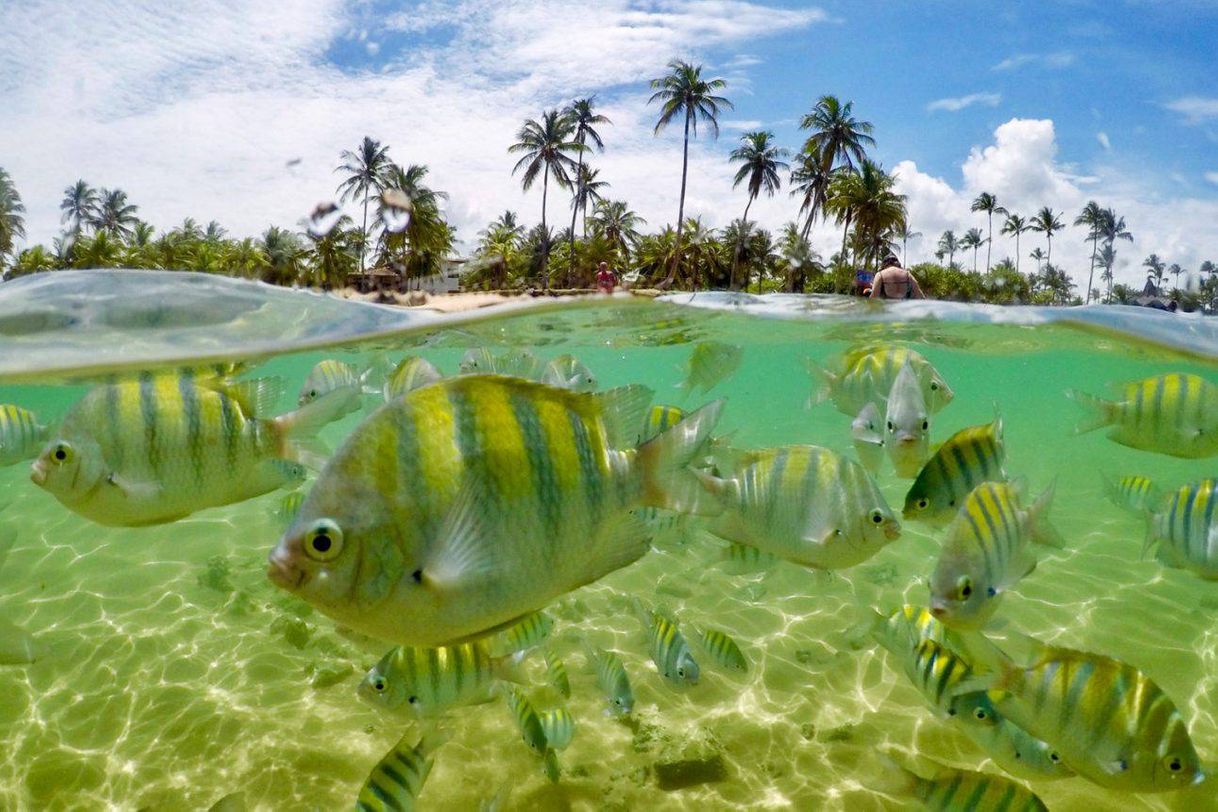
(621, 541)
(1117, 766)
(462, 552)
(133, 489)
(821, 537)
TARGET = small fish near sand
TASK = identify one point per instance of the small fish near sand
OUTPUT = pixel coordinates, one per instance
(396, 781)
(949, 790)
(612, 679)
(1173, 414)
(1133, 492)
(429, 682)
(667, 646)
(710, 363)
(969, 457)
(519, 493)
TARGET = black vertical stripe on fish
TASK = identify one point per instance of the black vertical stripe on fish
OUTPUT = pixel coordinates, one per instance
(114, 424)
(232, 429)
(194, 424)
(148, 413)
(541, 465)
(589, 470)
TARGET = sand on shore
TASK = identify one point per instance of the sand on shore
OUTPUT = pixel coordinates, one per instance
(469, 300)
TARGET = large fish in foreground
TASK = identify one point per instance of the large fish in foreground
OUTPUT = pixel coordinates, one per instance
(465, 505)
(806, 504)
(153, 450)
(1171, 414)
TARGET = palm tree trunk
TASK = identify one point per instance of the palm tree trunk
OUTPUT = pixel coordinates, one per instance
(363, 243)
(1091, 273)
(989, 243)
(845, 260)
(579, 187)
(545, 245)
(1017, 256)
(1049, 253)
(904, 251)
(672, 272)
(736, 254)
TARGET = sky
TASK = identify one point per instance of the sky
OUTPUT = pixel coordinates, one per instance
(237, 111)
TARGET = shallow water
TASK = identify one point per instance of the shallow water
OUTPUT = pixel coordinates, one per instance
(174, 673)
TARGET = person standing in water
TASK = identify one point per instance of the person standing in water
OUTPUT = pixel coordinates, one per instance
(894, 282)
(606, 279)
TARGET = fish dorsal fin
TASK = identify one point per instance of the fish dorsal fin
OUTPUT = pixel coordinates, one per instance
(623, 410)
(462, 551)
(256, 397)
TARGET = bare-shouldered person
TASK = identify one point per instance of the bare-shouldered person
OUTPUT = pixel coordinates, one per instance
(894, 282)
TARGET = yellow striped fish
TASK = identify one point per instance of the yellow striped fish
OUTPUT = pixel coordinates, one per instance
(21, 435)
(1011, 747)
(556, 674)
(1171, 414)
(559, 727)
(986, 553)
(1183, 528)
(431, 681)
(1109, 721)
(951, 790)
(867, 375)
(806, 504)
(969, 457)
(288, 507)
(659, 419)
(336, 379)
(513, 363)
(410, 373)
(532, 729)
(667, 647)
(161, 447)
(455, 511)
(612, 679)
(396, 781)
(710, 362)
(1132, 492)
(529, 633)
(747, 559)
(722, 649)
(568, 372)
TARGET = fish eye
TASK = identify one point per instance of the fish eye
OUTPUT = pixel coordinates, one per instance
(990, 591)
(923, 503)
(980, 714)
(681, 672)
(379, 685)
(890, 425)
(413, 700)
(934, 387)
(1054, 757)
(1174, 763)
(877, 517)
(964, 586)
(63, 453)
(323, 541)
(925, 425)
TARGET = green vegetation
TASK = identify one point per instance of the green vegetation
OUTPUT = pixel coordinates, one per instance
(830, 174)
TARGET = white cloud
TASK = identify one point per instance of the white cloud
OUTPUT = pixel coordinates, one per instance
(1195, 109)
(741, 124)
(1102, 137)
(1022, 170)
(1057, 59)
(1212, 177)
(960, 102)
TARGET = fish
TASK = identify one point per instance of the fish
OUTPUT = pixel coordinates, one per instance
(722, 649)
(289, 506)
(568, 372)
(530, 724)
(659, 419)
(667, 646)
(336, 379)
(951, 790)
(163, 446)
(710, 362)
(519, 364)
(529, 633)
(1110, 722)
(398, 778)
(985, 553)
(559, 727)
(410, 373)
(612, 679)
(1182, 527)
(556, 674)
(867, 375)
(806, 504)
(477, 361)
(747, 559)
(457, 510)
(969, 457)
(868, 438)
(21, 435)
(907, 424)
(1175, 415)
(429, 682)
(1012, 748)
(1133, 492)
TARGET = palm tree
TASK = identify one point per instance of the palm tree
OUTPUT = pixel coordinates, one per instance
(867, 198)
(1037, 255)
(972, 239)
(283, 254)
(1175, 270)
(79, 206)
(545, 146)
(904, 233)
(214, 232)
(810, 178)
(508, 224)
(1107, 258)
(12, 220)
(948, 244)
(585, 119)
(797, 258)
(1016, 225)
(987, 203)
(1092, 216)
(1113, 228)
(760, 159)
(587, 190)
(114, 214)
(736, 238)
(618, 224)
(1155, 269)
(683, 92)
(365, 168)
(836, 134)
(1047, 223)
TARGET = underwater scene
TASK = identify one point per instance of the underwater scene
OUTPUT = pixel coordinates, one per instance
(862, 563)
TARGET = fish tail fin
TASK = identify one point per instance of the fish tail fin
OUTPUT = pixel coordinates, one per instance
(510, 668)
(372, 379)
(824, 380)
(434, 737)
(1097, 411)
(299, 429)
(664, 460)
(256, 397)
(893, 779)
(1041, 530)
(622, 411)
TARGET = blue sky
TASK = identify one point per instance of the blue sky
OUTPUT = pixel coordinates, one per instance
(196, 110)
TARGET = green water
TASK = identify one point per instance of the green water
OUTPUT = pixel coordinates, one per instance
(174, 673)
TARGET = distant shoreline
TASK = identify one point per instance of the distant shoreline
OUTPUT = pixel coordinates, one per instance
(475, 300)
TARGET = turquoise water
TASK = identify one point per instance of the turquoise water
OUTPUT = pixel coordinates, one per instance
(173, 673)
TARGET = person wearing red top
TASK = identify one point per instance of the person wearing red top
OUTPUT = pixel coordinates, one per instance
(606, 279)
